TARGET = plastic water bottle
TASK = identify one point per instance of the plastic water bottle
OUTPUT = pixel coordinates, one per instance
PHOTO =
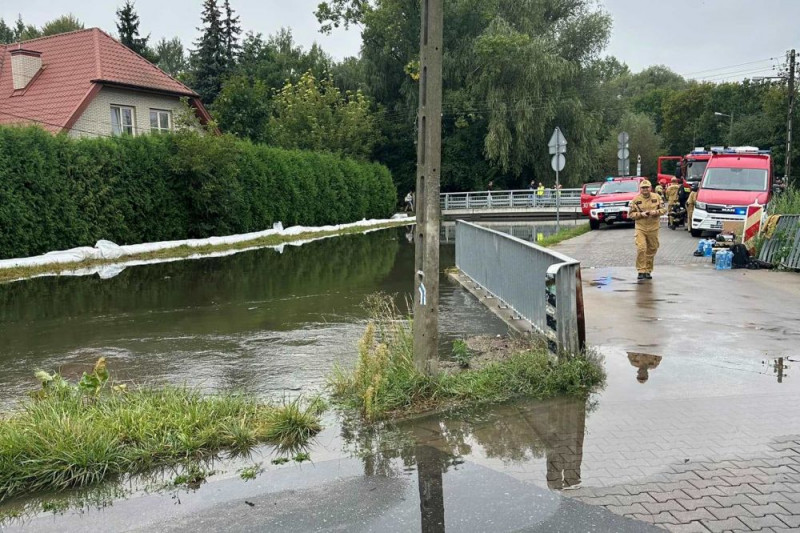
(708, 247)
(719, 260)
(728, 259)
(701, 245)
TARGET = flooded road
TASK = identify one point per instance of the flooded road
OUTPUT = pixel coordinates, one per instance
(260, 321)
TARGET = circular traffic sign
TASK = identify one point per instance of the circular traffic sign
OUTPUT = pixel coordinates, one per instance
(624, 153)
(623, 137)
(557, 162)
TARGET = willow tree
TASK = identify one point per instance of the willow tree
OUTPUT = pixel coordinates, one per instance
(513, 70)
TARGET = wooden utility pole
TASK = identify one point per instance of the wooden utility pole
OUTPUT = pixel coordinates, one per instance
(429, 157)
(788, 167)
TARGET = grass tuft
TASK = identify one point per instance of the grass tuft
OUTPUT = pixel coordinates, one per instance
(75, 435)
(564, 234)
(386, 384)
(786, 203)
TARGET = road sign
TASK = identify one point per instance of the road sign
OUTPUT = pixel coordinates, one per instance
(557, 162)
(623, 153)
(623, 137)
(557, 144)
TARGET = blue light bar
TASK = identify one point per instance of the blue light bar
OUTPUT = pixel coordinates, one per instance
(741, 210)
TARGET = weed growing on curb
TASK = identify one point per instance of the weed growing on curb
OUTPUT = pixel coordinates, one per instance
(280, 460)
(385, 382)
(461, 353)
(250, 472)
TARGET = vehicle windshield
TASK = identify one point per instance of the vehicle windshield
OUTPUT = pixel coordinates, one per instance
(592, 188)
(736, 179)
(695, 169)
(615, 187)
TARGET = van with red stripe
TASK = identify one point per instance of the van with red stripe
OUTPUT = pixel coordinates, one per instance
(734, 179)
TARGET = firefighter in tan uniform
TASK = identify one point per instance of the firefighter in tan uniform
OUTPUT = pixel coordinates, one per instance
(690, 203)
(646, 210)
(672, 196)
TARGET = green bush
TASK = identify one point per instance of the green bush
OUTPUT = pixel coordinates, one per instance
(58, 193)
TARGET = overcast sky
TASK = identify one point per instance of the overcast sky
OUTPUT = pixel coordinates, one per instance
(705, 39)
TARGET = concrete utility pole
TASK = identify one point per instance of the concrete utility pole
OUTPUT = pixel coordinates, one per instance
(788, 167)
(429, 157)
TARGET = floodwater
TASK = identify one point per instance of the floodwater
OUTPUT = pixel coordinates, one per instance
(261, 321)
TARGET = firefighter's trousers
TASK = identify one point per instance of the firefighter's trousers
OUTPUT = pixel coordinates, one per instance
(646, 248)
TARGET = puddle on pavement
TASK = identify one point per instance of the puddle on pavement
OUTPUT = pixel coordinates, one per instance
(542, 437)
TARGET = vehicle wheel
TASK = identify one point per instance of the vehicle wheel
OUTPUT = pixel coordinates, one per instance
(594, 224)
(696, 232)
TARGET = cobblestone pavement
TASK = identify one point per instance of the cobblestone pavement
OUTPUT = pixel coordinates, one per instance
(613, 246)
(708, 438)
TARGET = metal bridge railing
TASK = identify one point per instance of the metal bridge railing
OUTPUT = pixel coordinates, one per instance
(540, 285)
(784, 245)
(517, 199)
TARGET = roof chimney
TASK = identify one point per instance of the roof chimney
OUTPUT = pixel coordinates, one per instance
(24, 66)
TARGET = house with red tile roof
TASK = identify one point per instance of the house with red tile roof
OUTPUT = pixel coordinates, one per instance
(86, 83)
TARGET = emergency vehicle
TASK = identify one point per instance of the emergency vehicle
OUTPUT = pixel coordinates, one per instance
(612, 202)
(693, 165)
(588, 192)
(734, 178)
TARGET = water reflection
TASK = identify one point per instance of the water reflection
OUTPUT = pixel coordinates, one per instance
(525, 432)
(527, 231)
(644, 362)
(260, 321)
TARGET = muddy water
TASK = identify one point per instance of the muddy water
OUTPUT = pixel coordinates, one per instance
(260, 321)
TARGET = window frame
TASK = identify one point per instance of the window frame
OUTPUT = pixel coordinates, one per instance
(119, 108)
(159, 128)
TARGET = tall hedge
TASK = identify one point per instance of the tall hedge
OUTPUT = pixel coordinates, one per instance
(57, 192)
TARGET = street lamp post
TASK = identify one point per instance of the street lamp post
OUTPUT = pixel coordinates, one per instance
(730, 132)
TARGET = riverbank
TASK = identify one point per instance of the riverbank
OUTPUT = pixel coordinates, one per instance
(77, 434)
(85, 261)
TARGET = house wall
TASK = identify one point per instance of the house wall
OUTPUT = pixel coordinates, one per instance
(96, 118)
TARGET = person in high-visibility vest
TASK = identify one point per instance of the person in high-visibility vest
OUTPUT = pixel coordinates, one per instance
(540, 193)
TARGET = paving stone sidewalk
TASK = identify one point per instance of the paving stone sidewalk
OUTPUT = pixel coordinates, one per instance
(714, 444)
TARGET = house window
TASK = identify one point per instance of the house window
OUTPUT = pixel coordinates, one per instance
(122, 120)
(160, 121)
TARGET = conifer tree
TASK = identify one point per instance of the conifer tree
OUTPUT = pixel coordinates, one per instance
(128, 29)
(232, 29)
(209, 59)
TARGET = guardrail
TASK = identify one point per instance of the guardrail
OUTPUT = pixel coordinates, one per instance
(540, 285)
(784, 245)
(516, 199)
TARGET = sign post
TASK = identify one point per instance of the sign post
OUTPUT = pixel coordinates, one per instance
(557, 147)
(623, 154)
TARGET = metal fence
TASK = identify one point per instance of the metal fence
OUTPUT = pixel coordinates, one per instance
(783, 247)
(521, 199)
(540, 285)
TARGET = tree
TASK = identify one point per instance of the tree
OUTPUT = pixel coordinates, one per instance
(513, 70)
(315, 115)
(231, 32)
(25, 32)
(7, 33)
(209, 60)
(62, 24)
(243, 108)
(644, 141)
(128, 29)
(171, 58)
